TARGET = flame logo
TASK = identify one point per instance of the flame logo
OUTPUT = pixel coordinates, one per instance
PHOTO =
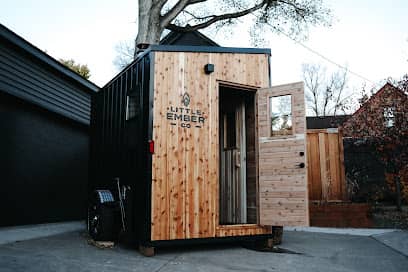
(186, 99)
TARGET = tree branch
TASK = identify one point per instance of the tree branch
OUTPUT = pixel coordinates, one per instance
(215, 18)
(300, 11)
(195, 17)
(176, 10)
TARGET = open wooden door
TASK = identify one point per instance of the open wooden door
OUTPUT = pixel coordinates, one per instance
(233, 202)
(282, 186)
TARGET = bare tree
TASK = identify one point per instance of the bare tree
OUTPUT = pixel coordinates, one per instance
(326, 95)
(291, 16)
(403, 83)
(313, 77)
(124, 56)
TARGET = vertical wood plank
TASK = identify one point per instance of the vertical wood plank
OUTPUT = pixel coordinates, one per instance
(176, 151)
(160, 219)
(313, 157)
(334, 166)
(341, 167)
(323, 165)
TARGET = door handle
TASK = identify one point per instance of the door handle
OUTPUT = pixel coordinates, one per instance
(301, 165)
(238, 159)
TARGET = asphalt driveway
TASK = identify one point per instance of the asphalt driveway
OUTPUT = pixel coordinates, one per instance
(316, 252)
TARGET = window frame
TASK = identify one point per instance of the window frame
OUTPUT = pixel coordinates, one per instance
(389, 116)
(136, 106)
(269, 109)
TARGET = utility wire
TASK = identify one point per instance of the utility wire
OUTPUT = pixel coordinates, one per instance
(326, 58)
(321, 55)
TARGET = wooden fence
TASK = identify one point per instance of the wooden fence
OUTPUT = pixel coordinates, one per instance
(325, 157)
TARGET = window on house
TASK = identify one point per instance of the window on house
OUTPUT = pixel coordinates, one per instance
(389, 116)
(281, 115)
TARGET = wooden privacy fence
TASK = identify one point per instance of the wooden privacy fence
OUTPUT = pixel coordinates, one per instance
(325, 157)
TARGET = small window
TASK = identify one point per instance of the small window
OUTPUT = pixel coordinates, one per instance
(131, 106)
(389, 117)
(281, 115)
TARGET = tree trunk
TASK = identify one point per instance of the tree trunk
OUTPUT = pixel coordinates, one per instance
(149, 29)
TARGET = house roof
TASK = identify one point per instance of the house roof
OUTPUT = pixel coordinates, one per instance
(378, 93)
(319, 122)
(31, 75)
(17, 41)
(369, 119)
(193, 38)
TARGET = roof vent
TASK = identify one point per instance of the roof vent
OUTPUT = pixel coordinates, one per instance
(140, 48)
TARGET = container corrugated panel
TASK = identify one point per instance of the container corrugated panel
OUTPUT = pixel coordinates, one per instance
(119, 146)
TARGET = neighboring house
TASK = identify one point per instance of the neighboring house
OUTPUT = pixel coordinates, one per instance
(44, 144)
(383, 115)
(385, 110)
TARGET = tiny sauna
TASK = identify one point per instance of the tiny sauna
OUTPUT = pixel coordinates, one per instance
(206, 148)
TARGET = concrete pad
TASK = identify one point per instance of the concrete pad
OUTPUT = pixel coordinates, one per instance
(345, 231)
(398, 240)
(71, 252)
(21, 233)
(317, 252)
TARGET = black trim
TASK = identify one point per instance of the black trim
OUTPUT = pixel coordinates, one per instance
(208, 49)
(147, 232)
(270, 72)
(209, 240)
(186, 48)
(23, 44)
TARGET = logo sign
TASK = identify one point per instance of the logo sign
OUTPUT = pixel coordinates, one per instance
(184, 116)
(186, 99)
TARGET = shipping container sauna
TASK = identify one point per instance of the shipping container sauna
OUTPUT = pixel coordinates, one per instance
(205, 148)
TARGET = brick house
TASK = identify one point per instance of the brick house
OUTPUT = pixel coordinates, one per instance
(385, 111)
(384, 116)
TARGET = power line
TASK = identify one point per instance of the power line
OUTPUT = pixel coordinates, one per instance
(322, 56)
(326, 58)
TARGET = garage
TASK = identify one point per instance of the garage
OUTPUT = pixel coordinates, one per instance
(44, 145)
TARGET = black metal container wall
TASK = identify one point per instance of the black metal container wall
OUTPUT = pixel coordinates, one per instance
(119, 147)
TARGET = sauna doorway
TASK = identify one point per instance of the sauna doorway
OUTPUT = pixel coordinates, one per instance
(237, 130)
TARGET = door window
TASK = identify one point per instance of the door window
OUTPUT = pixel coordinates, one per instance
(281, 115)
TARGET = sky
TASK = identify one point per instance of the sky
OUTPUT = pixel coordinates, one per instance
(369, 37)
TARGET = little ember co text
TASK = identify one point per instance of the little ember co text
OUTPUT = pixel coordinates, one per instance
(186, 117)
